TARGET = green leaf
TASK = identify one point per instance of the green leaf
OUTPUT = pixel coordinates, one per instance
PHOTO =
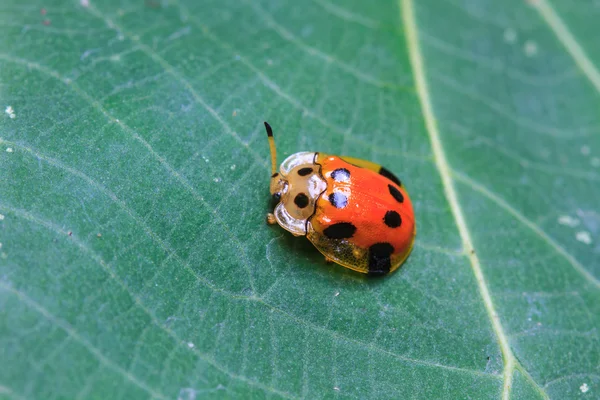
(135, 260)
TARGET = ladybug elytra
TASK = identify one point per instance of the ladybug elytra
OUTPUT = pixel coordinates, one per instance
(355, 212)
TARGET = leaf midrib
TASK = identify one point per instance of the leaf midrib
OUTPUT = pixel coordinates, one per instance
(581, 59)
(444, 170)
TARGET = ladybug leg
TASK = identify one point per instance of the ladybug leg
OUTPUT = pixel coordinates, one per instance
(328, 260)
(271, 219)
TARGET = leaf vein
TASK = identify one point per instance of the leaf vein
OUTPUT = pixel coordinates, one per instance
(530, 224)
(71, 332)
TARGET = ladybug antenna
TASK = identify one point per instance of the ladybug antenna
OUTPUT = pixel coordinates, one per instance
(272, 148)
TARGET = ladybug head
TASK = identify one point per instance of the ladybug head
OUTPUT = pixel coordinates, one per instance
(295, 188)
(278, 188)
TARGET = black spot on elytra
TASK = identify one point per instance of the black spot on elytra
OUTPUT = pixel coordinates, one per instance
(305, 171)
(379, 258)
(386, 172)
(275, 174)
(341, 230)
(341, 175)
(392, 219)
(396, 194)
(301, 200)
(338, 200)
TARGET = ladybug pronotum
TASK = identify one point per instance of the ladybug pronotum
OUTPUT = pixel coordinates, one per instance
(355, 212)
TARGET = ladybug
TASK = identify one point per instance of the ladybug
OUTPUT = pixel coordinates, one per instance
(355, 212)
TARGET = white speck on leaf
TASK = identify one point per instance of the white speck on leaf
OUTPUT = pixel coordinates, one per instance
(336, 388)
(531, 48)
(9, 150)
(187, 394)
(510, 35)
(568, 221)
(217, 180)
(585, 150)
(337, 294)
(115, 58)
(232, 167)
(1, 217)
(584, 237)
(87, 53)
(584, 388)
(190, 345)
(182, 32)
(10, 112)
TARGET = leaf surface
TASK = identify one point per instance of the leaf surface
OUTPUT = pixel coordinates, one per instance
(135, 261)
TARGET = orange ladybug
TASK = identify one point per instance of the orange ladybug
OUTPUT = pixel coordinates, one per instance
(355, 212)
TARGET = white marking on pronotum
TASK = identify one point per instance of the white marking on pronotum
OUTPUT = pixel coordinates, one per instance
(568, 221)
(10, 112)
(584, 388)
(584, 237)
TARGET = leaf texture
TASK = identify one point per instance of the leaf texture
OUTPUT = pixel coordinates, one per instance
(134, 257)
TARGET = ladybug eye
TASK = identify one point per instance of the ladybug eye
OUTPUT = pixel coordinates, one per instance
(276, 198)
